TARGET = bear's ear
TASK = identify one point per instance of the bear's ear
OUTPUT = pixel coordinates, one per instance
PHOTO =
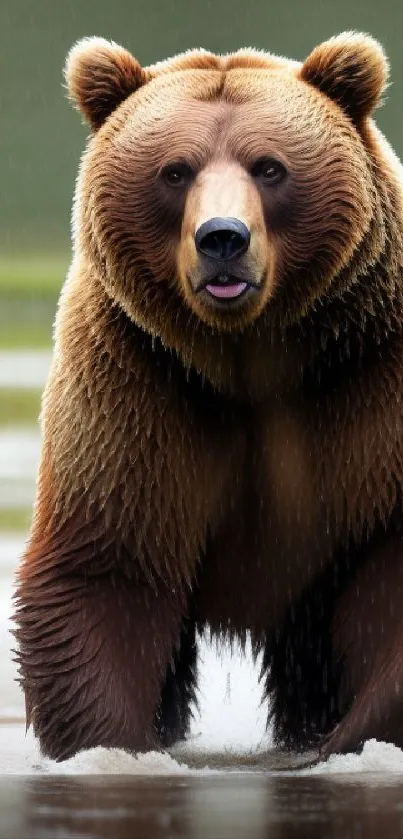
(100, 75)
(351, 69)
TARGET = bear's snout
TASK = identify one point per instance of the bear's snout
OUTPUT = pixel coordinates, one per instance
(220, 242)
(224, 253)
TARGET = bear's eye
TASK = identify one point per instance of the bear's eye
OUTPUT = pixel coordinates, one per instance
(177, 174)
(269, 170)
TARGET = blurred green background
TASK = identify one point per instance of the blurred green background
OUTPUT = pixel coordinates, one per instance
(41, 140)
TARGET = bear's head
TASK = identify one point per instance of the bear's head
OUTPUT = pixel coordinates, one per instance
(222, 194)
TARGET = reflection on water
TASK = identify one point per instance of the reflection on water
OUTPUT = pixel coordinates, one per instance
(234, 807)
(19, 446)
(19, 456)
(19, 453)
(24, 368)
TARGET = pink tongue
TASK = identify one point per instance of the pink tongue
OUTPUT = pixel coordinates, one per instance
(228, 291)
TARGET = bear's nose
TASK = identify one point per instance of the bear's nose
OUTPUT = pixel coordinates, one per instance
(222, 238)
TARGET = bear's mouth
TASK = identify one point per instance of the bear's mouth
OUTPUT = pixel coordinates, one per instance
(227, 291)
(223, 287)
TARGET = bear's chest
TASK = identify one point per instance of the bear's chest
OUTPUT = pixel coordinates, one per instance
(304, 486)
(272, 531)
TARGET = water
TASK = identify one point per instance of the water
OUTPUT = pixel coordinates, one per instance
(23, 368)
(19, 454)
(234, 807)
(226, 781)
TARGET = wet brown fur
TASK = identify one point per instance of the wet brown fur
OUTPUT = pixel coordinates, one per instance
(241, 470)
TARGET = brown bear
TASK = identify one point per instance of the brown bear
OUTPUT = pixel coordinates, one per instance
(222, 424)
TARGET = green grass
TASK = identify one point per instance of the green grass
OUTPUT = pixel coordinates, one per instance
(26, 336)
(29, 290)
(19, 407)
(26, 323)
(14, 520)
(33, 275)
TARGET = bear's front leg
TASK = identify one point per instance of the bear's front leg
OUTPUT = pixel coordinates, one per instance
(179, 692)
(94, 651)
(368, 640)
(132, 477)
